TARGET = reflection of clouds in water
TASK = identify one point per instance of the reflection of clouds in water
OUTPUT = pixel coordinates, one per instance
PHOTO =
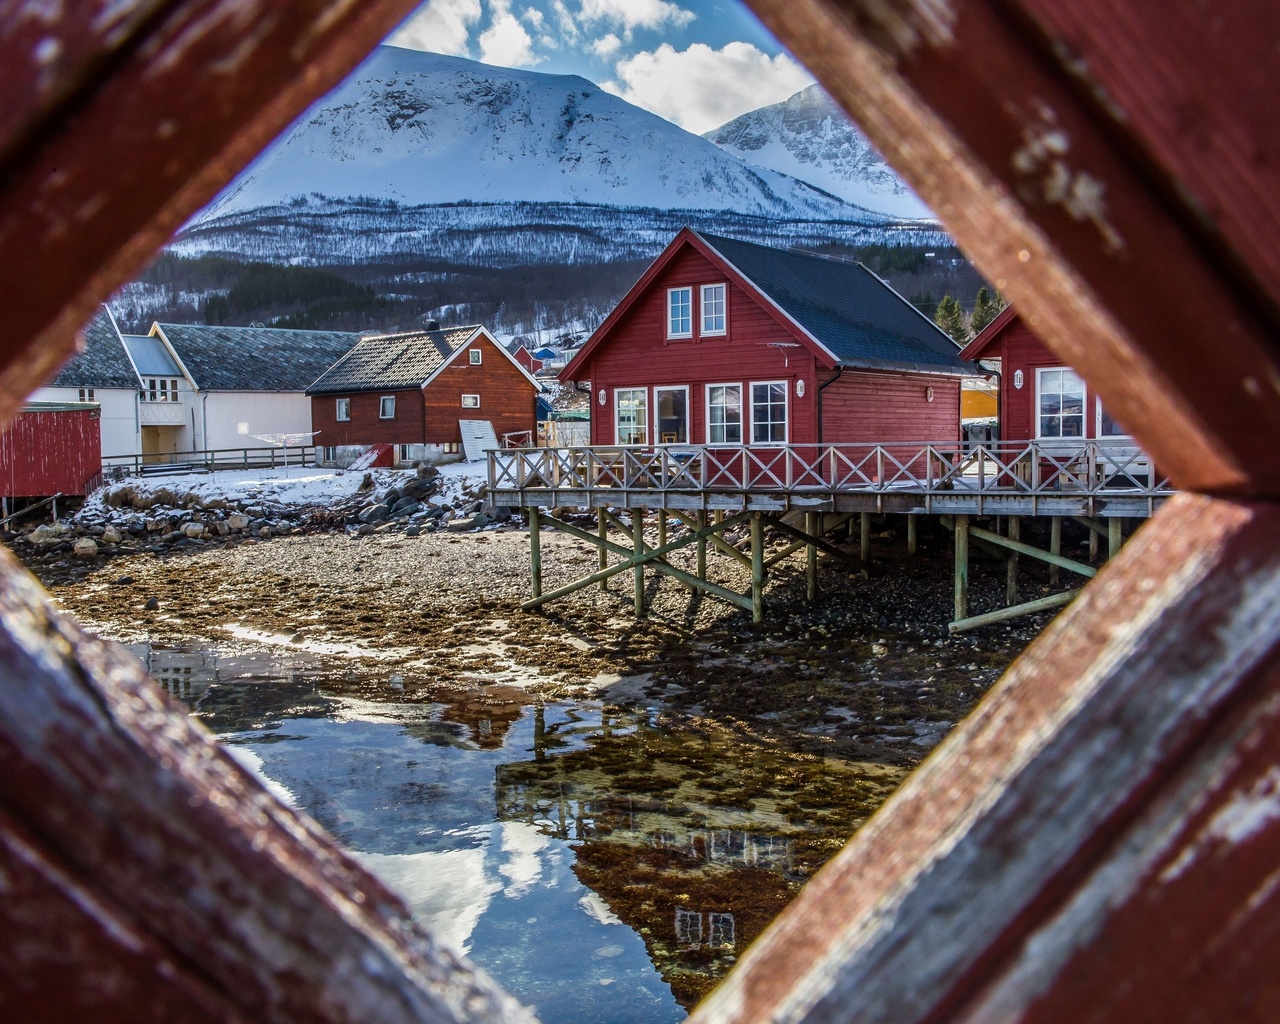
(448, 891)
(597, 909)
(253, 764)
(525, 849)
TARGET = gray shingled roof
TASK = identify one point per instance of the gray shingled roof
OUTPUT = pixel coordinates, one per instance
(393, 361)
(856, 316)
(255, 358)
(103, 363)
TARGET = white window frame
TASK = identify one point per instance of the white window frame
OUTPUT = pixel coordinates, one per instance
(671, 292)
(786, 411)
(382, 407)
(330, 453)
(723, 329)
(741, 414)
(1084, 407)
(1097, 424)
(342, 410)
(86, 394)
(617, 408)
(688, 413)
(471, 401)
(476, 356)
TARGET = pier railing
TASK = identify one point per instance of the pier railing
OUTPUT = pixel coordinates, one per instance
(1030, 469)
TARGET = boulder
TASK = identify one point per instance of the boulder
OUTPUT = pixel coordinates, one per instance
(85, 548)
(412, 531)
(392, 496)
(193, 530)
(264, 532)
(42, 534)
(111, 535)
(405, 506)
(152, 605)
(465, 523)
(237, 521)
(365, 529)
(374, 514)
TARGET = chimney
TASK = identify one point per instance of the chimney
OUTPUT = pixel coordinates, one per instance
(431, 325)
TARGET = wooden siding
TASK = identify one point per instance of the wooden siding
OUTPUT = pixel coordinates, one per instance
(365, 426)
(50, 452)
(638, 354)
(507, 396)
(882, 407)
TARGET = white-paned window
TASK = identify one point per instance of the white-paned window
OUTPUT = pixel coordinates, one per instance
(153, 392)
(724, 414)
(342, 411)
(714, 309)
(1107, 427)
(1059, 403)
(471, 401)
(671, 415)
(679, 312)
(330, 454)
(631, 416)
(769, 412)
(387, 407)
(477, 357)
(86, 395)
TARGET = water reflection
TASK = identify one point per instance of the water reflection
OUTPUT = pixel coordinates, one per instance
(603, 865)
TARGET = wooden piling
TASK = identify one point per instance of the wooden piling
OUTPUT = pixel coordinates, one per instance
(1093, 546)
(602, 525)
(662, 527)
(1011, 585)
(1115, 537)
(913, 538)
(702, 546)
(813, 527)
(864, 540)
(535, 550)
(637, 543)
(718, 517)
(1055, 546)
(757, 568)
(962, 567)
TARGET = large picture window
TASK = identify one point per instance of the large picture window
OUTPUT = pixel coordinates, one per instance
(1060, 401)
(769, 413)
(714, 309)
(679, 312)
(724, 414)
(632, 411)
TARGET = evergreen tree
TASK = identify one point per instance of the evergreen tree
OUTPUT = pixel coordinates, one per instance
(950, 317)
(985, 309)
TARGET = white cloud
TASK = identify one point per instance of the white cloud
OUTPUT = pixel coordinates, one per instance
(564, 20)
(605, 46)
(506, 42)
(701, 88)
(442, 26)
(630, 15)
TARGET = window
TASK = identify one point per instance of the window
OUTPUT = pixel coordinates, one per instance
(387, 407)
(405, 454)
(86, 394)
(343, 410)
(471, 401)
(164, 391)
(477, 357)
(769, 413)
(330, 454)
(724, 414)
(679, 312)
(632, 416)
(713, 309)
(451, 448)
(152, 391)
(1107, 427)
(1060, 403)
(672, 411)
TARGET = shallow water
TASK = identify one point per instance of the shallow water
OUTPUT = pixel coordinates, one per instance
(602, 864)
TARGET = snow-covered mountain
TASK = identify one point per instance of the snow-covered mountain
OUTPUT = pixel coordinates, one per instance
(419, 128)
(809, 137)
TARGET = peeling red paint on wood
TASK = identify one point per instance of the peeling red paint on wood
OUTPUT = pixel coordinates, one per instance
(50, 452)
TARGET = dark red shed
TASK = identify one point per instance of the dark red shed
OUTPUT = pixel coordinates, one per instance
(51, 448)
(724, 342)
(1041, 399)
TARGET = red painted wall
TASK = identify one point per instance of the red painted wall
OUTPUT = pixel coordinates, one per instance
(638, 354)
(877, 407)
(507, 397)
(50, 452)
(365, 426)
(525, 358)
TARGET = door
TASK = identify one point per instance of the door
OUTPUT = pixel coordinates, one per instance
(672, 415)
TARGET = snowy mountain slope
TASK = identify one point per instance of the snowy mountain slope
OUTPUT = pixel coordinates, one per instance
(422, 129)
(809, 137)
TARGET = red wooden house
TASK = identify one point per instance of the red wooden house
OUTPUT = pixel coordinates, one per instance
(413, 389)
(723, 342)
(51, 448)
(526, 358)
(1040, 398)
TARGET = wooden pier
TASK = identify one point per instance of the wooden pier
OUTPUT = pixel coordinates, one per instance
(809, 492)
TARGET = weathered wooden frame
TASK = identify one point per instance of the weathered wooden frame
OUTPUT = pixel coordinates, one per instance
(1098, 842)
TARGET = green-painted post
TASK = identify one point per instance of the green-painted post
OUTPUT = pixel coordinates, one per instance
(962, 567)
(757, 568)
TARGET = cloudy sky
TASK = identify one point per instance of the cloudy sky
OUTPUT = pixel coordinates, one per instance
(698, 63)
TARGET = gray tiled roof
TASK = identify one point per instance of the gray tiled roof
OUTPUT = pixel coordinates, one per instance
(855, 315)
(255, 358)
(103, 363)
(393, 361)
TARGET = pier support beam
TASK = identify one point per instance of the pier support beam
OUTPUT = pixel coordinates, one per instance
(662, 527)
(602, 525)
(535, 549)
(962, 567)
(637, 544)
(913, 536)
(1115, 537)
(1011, 586)
(813, 527)
(757, 568)
(702, 546)
(1055, 546)
(864, 541)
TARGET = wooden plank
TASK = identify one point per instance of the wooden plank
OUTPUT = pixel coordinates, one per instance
(138, 846)
(1096, 842)
(1001, 135)
(159, 105)
(1034, 552)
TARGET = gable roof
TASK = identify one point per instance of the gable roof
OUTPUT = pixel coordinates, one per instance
(253, 358)
(103, 362)
(837, 308)
(988, 336)
(393, 361)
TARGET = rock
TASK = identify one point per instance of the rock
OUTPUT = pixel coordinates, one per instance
(111, 535)
(193, 530)
(464, 523)
(152, 605)
(365, 529)
(222, 529)
(42, 534)
(435, 511)
(427, 474)
(412, 531)
(374, 514)
(237, 521)
(85, 547)
(499, 513)
(479, 521)
(156, 525)
(405, 506)
(264, 532)
(391, 497)
(124, 581)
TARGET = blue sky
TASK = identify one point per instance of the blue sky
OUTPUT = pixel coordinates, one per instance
(698, 63)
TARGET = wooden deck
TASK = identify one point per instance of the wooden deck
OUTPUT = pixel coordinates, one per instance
(1093, 478)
